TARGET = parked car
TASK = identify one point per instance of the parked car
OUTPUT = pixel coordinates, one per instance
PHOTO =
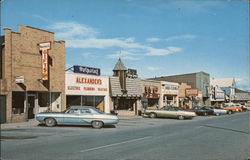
(169, 112)
(246, 107)
(202, 111)
(217, 111)
(232, 108)
(78, 115)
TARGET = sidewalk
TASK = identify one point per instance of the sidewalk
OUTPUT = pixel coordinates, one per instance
(29, 123)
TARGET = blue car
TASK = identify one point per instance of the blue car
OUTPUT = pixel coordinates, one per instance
(77, 115)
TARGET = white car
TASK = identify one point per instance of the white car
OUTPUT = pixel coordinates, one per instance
(77, 115)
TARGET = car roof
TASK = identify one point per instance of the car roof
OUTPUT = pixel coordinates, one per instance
(81, 107)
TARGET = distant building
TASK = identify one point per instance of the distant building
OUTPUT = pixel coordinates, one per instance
(32, 75)
(227, 85)
(125, 90)
(199, 80)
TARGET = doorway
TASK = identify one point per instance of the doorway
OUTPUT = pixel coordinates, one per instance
(31, 106)
(3, 109)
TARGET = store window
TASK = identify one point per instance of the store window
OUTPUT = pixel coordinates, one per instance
(18, 99)
(73, 100)
(43, 99)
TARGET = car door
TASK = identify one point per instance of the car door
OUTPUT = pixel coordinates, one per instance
(72, 116)
(86, 116)
(167, 112)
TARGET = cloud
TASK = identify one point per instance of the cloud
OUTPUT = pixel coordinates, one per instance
(242, 83)
(162, 52)
(153, 39)
(82, 36)
(72, 30)
(181, 37)
(125, 55)
(151, 68)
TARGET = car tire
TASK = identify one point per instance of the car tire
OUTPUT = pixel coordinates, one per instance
(180, 117)
(50, 122)
(152, 115)
(205, 114)
(97, 124)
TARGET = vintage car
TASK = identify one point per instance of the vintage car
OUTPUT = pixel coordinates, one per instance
(202, 111)
(169, 112)
(78, 115)
(217, 111)
(231, 107)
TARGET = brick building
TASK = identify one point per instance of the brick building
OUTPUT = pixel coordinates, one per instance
(24, 91)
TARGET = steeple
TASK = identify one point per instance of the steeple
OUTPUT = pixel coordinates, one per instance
(119, 66)
(121, 71)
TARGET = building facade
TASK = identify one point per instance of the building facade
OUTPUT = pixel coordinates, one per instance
(227, 85)
(169, 94)
(32, 73)
(151, 93)
(87, 90)
(125, 90)
(199, 80)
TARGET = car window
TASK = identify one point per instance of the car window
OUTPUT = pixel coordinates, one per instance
(74, 111)
(85, 111)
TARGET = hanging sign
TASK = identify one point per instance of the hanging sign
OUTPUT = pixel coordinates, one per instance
(44, 48)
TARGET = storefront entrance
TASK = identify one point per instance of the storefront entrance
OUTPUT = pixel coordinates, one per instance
(31, 106)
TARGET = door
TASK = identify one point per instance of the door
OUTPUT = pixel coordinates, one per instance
(72, 116)
(3, 109)
(31, 106)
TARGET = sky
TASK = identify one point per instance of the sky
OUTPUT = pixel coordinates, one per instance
(156, 37)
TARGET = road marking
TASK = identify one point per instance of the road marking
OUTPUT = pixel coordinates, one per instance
(115, 144)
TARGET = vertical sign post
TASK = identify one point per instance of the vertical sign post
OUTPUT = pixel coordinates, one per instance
(44, 48)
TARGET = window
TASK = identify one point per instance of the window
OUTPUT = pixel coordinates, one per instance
(18, 102)
(73, 101)
(85, 111)
(43, 99)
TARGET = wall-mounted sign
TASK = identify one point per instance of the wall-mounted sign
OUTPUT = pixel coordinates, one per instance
(87, 70)
(19, 79)
(132, 73)
(45, 66)
(191, 92)
(44, 48)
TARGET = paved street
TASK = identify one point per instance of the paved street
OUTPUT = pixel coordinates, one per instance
(203, 138)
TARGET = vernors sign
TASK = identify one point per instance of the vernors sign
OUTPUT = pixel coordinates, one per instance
(87, 70)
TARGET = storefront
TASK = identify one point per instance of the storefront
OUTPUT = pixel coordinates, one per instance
(125, 90)
(169, 94)
(151, 93)
(217, 96)
(87, 90)
(32, 73)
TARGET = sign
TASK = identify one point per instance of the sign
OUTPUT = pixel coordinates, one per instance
(132, 73)
(20, 79)
(87, 70)
(44, 48)
(80, 84)
(45, 66)
(191, 92)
